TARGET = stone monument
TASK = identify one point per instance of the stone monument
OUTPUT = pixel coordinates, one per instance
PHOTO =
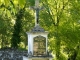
(37, 40)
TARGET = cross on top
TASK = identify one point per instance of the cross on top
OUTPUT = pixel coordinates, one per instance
(37, 3)
(37, 9)
(37, 12)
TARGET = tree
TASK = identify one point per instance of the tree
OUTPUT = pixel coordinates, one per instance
(59, 17)
(17, 29)
(17, 11)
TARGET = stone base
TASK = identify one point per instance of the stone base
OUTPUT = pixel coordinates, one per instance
(37, 58)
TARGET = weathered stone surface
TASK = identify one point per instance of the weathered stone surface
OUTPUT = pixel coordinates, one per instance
(37, 28)
(12, 54)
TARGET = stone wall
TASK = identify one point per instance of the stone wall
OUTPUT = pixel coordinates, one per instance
(12, 54)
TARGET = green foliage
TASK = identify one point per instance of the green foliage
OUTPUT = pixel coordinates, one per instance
(17, 29)
(22, 3)
(31, 2)
(59, 17)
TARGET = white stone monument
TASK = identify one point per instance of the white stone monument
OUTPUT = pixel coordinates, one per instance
(37, 40)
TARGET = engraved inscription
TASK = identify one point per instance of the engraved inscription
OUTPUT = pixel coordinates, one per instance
(39, 47)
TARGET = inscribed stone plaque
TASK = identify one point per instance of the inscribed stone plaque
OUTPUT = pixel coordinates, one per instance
(39, 47)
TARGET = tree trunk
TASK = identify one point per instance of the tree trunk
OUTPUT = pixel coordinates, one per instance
(17, 29)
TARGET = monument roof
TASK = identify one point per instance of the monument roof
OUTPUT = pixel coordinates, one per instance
(37, 28)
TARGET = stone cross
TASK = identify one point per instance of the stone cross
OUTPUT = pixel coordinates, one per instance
(37, 9)
(37, 3)
(37, 12)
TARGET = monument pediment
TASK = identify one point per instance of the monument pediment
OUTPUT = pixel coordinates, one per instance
(37, 28)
